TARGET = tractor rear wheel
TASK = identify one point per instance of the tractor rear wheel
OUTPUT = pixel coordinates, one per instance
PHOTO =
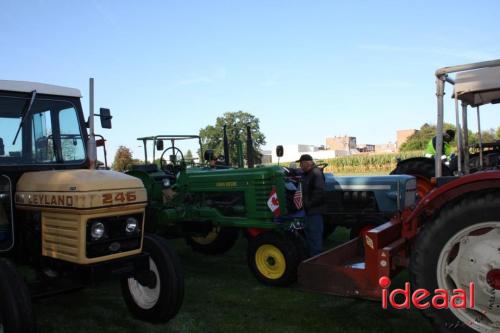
(158, 297)
(274, 257)
(421, 168)
(218, 241)
(16, 311)
(462, 246)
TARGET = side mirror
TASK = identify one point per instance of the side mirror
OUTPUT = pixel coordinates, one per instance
(208, 155)
(100, 143)
(2, 147)
(279, 151)
(106, 117)
(159, 144)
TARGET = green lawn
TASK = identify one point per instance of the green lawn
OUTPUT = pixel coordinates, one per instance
(222, 296)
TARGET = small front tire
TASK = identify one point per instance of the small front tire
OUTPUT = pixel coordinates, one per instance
(274, 258)
(159, 301)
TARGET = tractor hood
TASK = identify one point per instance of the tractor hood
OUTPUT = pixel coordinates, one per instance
(81, 189)
(76, 181)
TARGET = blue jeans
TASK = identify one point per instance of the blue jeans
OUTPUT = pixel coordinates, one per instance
(314, 233)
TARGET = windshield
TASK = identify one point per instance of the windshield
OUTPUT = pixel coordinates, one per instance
(50, 134)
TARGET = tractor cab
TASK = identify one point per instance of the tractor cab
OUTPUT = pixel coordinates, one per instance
(41, 128)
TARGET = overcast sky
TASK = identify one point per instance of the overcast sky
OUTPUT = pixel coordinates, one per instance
(307, 69)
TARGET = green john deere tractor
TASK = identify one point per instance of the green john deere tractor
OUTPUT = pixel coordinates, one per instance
(211, 203)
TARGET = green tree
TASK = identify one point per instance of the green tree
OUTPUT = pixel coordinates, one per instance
(212, 136)
(420, 139)
(188, 156)
(498, 133)
(123, 159)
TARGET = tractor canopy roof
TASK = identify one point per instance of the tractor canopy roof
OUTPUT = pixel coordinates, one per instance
(41, 88)
(169, 137)
(479, 86)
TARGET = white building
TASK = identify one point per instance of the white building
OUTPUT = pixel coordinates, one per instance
(292, 152)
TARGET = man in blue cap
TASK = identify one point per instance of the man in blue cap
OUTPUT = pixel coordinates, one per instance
(313, 196)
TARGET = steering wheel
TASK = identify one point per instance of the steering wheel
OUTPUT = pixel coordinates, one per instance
(172, 166)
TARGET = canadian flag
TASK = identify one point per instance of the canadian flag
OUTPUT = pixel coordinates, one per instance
(273, 203)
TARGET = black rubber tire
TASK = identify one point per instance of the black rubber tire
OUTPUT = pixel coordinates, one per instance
(432, 239)
(290, 246)
(170, 277)
(419, 166)
(225, 240)
(16, 310)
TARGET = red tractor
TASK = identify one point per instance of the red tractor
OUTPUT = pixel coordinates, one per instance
(449, 239)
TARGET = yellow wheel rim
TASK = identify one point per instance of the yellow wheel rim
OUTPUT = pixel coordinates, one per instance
(209, 238)
(270, 261)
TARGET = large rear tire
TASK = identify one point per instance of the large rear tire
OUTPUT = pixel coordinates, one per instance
(218, 241)
(161, 299)
(458, 247)
(16, 310)
(274, 257)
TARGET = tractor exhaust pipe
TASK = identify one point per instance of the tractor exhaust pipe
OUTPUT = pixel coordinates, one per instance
(91, 144)
(250, 152)
(226, 147)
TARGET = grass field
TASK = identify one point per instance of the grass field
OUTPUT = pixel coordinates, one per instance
(222, 296)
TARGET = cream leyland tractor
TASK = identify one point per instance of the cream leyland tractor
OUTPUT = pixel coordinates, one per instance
(70, 224)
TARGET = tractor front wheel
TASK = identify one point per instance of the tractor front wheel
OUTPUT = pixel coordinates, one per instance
(218, 241)
(462, 246)
(274, 257)
(16, 311)
(156, 297)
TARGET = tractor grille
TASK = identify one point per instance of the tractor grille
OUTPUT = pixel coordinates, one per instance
(61, 236)
(262, 188)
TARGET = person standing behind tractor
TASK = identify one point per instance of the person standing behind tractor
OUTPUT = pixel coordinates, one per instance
(448, 136)
(313, 196)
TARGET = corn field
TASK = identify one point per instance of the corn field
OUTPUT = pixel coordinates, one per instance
(359, 164)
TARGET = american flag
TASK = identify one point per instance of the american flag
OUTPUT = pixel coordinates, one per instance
(297, 197)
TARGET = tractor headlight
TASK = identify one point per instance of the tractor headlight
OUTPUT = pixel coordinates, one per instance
(97, 230)
(166, 182)
(132, 225)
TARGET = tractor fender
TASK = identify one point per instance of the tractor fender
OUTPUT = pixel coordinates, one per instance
(455, 190)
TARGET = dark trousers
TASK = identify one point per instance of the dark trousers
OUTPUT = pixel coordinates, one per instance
(314, 233)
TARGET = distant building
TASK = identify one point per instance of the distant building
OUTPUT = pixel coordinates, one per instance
(267, 156)
(389, 147)
(292, 152)
(341, 143)
(366, 148)
(403, 135)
